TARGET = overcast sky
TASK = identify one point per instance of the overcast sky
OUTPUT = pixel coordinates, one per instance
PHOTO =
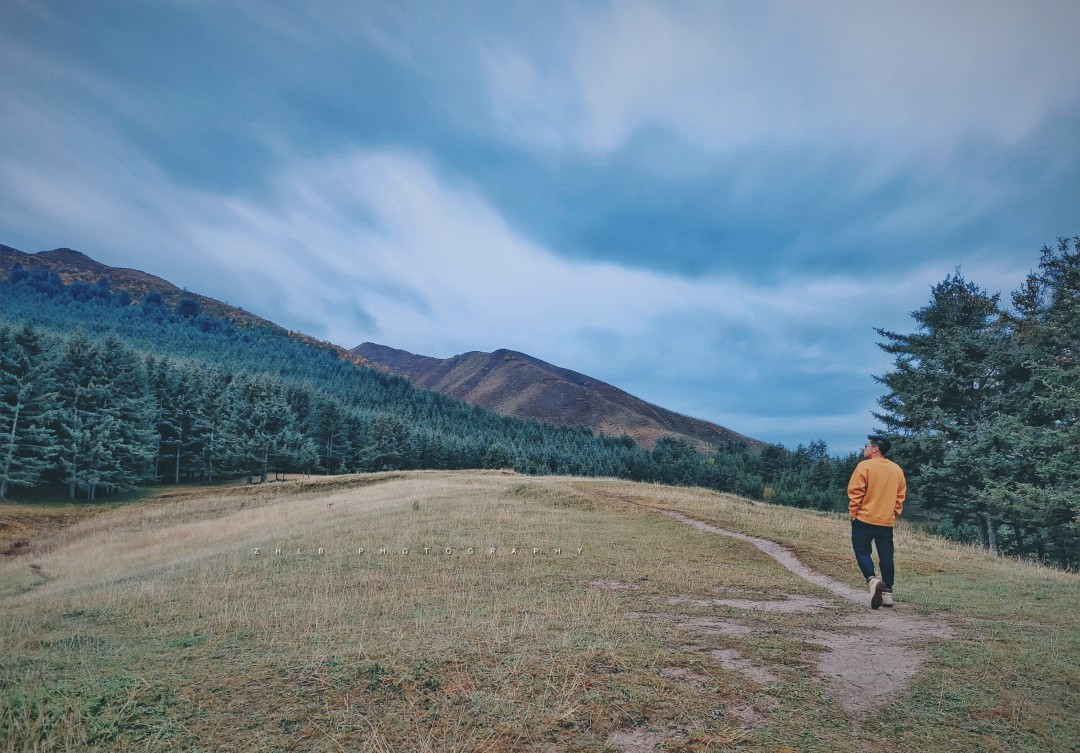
(708, 204)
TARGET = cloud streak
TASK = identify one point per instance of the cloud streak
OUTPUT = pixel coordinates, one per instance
(725, 76)
(710, 205)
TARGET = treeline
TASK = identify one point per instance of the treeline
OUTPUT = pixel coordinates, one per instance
(986, 400)
(101, 394)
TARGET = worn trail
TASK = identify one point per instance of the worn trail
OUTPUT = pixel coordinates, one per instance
(872, 656)
(781, 555)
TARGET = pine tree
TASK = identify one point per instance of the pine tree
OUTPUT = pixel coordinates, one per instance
(126, 422)
(176, 392)
(1044, 434)
(943, 398)
(387, 448)
(27, 443)
(209, 424)
(498, 456)
(260, 430)
(329, 429)
(79, 399)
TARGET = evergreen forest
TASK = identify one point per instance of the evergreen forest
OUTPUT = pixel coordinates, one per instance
(102, 393)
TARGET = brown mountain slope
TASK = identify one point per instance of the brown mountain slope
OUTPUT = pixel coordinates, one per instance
(75, 266)
(519, 385)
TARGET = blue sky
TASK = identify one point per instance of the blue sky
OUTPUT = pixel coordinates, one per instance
(708, 204)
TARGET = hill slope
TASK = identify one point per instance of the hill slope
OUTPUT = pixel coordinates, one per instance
(517, 384)
(272, 619)
(76, 267)
(507, 382)
(205, 398)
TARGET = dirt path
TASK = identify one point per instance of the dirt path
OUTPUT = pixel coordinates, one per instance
(871, 656)
(781, 555)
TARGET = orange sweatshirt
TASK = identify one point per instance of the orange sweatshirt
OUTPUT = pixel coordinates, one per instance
(877, 490)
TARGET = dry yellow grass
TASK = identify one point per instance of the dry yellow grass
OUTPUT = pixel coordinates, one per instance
(157, 626)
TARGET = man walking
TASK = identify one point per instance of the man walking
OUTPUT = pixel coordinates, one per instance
(876, 492)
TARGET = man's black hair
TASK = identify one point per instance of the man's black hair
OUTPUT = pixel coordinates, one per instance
(881, 442)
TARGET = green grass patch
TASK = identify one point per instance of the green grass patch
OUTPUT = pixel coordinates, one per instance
(160, 628)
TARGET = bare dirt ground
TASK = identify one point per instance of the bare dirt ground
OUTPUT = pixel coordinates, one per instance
(870, 657)
(22, 524)
(875, 655)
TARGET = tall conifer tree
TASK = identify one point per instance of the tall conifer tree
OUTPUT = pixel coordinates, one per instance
(27, 443)
(1045, 491)
(942, 398)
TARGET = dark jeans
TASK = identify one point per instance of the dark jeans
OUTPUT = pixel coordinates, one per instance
(862, 535)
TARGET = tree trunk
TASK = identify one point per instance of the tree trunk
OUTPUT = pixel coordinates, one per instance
(74, 475)
(1018, 534)
(179, 444)
(980, 525)
(76, 436)
(10, 452)
(210, 458)
(991, 534)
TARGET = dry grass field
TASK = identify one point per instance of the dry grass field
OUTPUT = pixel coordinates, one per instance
(486, 611)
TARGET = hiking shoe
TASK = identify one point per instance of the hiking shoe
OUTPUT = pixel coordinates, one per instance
(877, 588)
(886, 599)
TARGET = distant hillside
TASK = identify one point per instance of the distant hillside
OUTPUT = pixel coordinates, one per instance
(517, 384)
(507, 382)
(76, 267)
(141, 384)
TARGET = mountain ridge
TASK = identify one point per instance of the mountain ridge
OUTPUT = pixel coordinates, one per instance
(74, 266)
(515, 383)
(506, 381)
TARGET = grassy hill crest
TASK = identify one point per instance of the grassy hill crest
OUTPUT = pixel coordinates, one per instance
(249, 619)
